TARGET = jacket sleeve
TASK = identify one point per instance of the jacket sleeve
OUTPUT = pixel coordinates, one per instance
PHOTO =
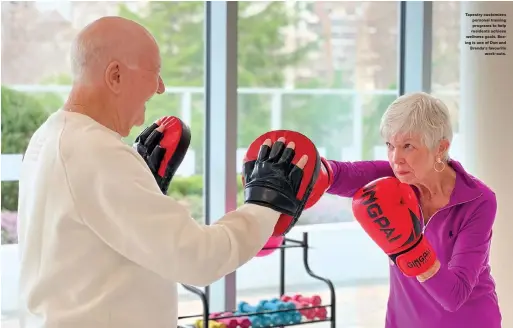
(452, 284)
(349, 177)
(118, 199)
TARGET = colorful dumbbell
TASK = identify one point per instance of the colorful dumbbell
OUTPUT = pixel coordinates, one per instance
(257, 320)
(313, 300)
(301, 306)
(279, 318)
(211, 324)
(319, 313)
(244, 307)
(241, 322)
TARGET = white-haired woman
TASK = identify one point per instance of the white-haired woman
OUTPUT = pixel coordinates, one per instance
(458, 212)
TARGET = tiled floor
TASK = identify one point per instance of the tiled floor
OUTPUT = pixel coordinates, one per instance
(357, 306)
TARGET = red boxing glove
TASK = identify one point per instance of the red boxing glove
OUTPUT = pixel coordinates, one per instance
(388, 211)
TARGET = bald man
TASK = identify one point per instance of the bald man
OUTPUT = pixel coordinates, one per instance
(100, 245)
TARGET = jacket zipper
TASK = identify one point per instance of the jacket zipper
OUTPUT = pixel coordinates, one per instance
(442, 209)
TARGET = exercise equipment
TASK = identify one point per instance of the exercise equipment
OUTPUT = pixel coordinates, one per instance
(279, 318)
(261, 318)
(316, 312)
(163, 146)
(211, 324)
(272, 244)
(302, 307)
(233, 322)
(310, 173)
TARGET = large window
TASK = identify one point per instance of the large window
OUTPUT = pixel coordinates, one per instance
(36, 80)
(445, 71)
(327, 70)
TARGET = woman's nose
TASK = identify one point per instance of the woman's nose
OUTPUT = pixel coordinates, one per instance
(396, 157)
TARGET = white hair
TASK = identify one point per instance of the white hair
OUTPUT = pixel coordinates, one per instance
(418, 113)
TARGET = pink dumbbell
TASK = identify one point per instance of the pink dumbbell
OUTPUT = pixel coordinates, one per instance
(301, 306)
(242, 322)
(313, 300)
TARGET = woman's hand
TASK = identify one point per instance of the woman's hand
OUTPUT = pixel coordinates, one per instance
(430, 272)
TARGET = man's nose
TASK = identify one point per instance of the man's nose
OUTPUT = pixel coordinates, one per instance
(161, 88)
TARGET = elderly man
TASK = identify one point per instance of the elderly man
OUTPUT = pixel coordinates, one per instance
(101, 245)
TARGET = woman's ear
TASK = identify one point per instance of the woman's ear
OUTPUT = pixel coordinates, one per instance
(443, 148)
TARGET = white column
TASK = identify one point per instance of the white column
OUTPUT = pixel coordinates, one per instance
(487, 102)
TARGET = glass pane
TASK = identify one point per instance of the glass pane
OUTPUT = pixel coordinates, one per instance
(327, 70)
(445, 75)
(36, 79)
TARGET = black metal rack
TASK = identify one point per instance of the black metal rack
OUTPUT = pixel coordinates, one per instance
(287, 243)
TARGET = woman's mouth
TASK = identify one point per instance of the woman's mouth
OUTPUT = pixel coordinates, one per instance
(402, 172)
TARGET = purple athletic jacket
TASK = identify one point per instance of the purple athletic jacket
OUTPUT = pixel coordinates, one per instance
(462, 294)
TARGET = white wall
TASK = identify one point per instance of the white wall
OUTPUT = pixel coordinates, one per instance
(487, 98)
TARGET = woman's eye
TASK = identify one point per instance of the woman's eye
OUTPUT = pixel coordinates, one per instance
(408, 146)
(389, 146)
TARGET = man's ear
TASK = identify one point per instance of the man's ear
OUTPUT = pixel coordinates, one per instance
(113, 77)
(443, 147)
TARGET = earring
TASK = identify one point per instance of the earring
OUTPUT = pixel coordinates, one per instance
(437, 165)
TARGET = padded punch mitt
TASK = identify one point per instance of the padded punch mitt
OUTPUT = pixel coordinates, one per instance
(303, 185)
(163, 146)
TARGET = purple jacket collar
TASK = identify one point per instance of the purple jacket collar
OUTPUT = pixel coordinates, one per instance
(466, 188)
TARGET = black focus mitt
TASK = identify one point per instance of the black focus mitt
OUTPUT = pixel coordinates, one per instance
(163, 146)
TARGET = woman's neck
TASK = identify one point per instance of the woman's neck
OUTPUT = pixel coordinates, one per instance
(438, 185)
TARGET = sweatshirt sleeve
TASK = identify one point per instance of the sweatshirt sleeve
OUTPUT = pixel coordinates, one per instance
(118, 199)
(349, 177)
(452, 284)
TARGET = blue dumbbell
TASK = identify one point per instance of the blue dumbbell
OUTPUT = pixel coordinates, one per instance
(271, 306)
(295, 318)
(286, 306)
(278, 319)
(265, 320)
(256, 320)
(244, 307)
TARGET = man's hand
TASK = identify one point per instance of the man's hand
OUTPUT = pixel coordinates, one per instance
(163, 146)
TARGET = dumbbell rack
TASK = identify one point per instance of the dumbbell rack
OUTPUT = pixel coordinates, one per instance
(287, 243)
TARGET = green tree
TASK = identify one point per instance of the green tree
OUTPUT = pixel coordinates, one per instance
(373, 110)
(325, 118)
(22, 114)
(178, 28)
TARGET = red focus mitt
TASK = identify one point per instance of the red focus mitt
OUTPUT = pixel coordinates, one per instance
(316, 177)
(163, 146)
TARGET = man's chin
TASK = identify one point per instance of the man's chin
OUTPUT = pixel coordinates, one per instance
(140, 122)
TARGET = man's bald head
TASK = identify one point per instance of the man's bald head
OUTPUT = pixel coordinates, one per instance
(116, 70)
(108, 39)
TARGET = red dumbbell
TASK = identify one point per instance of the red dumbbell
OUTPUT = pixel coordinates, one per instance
(313, 300)
(242, 322)
(301, 306)
(228, 322)
(321, 313)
